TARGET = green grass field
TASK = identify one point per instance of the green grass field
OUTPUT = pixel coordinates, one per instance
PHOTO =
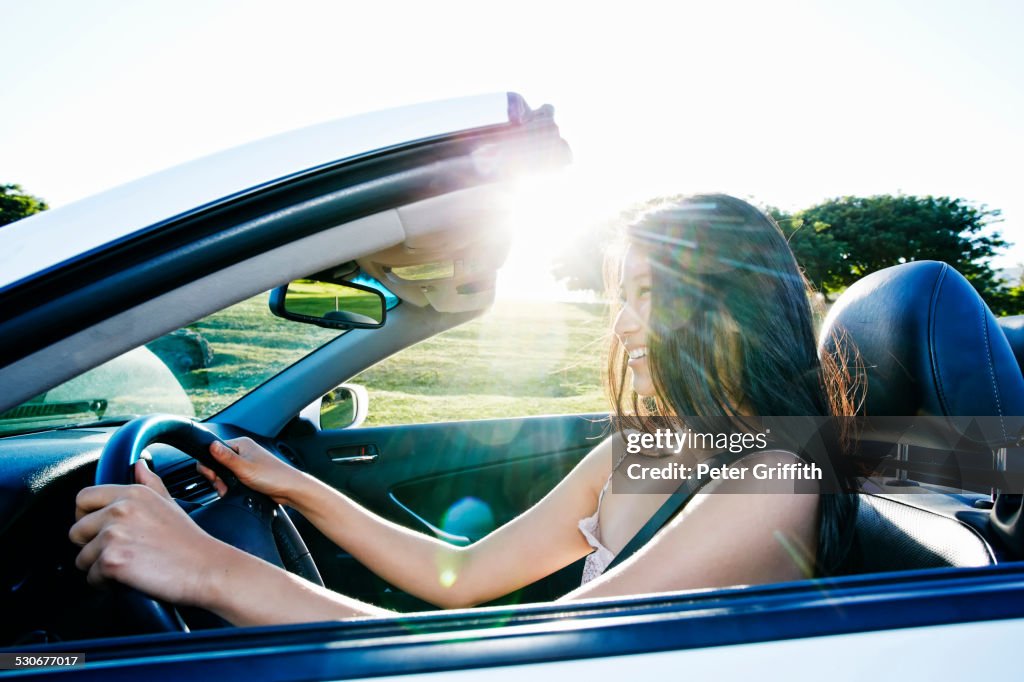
(249, 345)
(518, 359)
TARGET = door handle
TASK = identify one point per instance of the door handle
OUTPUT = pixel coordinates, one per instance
(353, 454)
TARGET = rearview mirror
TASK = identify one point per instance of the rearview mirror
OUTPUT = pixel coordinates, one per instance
(335, 305)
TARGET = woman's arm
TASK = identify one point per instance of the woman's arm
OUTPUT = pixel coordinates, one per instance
(138, 536)
(245, 590)
(542, 540)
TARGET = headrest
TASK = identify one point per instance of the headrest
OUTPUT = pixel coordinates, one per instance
(929, 347)
(1013, 328)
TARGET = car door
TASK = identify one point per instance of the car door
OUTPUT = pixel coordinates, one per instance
(454, 480)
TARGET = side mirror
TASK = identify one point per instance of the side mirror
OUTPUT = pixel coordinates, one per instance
(344, 407)
(335, 305)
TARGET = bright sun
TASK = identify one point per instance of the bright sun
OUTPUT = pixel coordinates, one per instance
(550, 213)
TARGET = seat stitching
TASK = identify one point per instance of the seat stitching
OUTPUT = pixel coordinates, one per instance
(936, 375)
(992, 370)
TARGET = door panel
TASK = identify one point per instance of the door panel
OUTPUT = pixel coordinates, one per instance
(456, 481)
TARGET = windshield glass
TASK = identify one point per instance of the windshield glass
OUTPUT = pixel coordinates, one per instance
(194, 371)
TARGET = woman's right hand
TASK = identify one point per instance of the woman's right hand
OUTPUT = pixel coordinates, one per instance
(255, 468)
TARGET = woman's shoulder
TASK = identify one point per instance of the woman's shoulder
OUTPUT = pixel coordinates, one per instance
(595, 469)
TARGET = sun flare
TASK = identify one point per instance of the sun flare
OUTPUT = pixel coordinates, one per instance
(552, 215)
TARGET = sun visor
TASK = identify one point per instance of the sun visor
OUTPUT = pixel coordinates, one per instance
(454, 245)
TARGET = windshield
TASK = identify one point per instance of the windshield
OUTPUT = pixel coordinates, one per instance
(194, 371)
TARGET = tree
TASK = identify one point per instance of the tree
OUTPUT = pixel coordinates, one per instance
(15, 204)
(816, 251)
(839, 241)
(1009, 299)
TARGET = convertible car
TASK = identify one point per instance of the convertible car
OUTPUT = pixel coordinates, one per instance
(247, 294)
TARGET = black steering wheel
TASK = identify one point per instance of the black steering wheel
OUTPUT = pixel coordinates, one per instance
(243, 518)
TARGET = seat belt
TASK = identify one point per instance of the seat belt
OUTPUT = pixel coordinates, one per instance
(674, 504)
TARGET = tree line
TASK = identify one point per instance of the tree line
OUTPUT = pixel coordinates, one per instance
(838, 241)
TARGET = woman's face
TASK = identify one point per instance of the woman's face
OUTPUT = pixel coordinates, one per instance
(631, 324)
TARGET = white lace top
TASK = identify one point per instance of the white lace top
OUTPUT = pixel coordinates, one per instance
(598, 560)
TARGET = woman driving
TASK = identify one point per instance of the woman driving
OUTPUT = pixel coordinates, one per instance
(713, 321)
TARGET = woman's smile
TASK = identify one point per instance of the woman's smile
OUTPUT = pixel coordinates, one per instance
(634, 314)
(637, 353)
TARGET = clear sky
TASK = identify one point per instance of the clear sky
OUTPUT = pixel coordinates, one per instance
(787, 103)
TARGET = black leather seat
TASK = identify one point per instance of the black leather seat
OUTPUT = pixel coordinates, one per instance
(929, 347)
(893, 535)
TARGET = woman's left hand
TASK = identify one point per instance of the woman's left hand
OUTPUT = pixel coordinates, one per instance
(137, 535)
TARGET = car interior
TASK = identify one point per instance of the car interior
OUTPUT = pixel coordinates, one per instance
(927, 342)
(41, 472)
(929, 346)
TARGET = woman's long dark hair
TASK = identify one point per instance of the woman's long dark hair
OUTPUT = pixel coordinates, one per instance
(731, 333)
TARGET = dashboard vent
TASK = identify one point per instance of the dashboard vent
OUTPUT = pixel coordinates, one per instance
(185, 483)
